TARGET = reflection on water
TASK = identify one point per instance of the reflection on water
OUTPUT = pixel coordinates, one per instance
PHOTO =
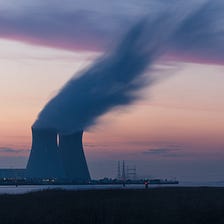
(21, 189)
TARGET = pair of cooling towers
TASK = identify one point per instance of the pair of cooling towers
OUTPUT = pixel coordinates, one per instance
(59, 156)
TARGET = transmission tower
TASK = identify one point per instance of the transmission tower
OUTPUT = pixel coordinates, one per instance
(118, 170)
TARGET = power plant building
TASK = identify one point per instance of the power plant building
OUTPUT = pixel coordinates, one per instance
(13, 173)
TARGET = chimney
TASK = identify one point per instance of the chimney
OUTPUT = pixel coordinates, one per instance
(73, 158)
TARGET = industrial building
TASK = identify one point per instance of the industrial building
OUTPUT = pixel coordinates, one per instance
(57, 156)
(13, 173)
(72, 157)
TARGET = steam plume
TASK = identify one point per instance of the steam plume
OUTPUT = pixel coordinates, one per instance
(115, 78)
(112, 81)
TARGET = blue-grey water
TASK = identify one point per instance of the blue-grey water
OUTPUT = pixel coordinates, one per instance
(21, 189)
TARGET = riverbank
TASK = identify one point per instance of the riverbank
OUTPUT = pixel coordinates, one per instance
(159, 205)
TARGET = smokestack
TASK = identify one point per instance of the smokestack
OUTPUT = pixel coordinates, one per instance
(44, 157)
(73, 158)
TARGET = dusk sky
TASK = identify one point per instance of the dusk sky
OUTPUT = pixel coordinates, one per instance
(176, 127)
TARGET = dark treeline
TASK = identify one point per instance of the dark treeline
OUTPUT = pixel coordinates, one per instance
(161, 205)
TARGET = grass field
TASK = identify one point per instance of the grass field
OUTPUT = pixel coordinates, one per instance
(153, 206)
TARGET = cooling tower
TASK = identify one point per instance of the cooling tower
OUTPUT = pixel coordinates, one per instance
(73, 158)
(44, 157)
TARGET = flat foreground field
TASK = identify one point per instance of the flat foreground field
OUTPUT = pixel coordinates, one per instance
(152, 206)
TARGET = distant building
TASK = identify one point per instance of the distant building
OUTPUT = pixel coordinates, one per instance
(12, 173)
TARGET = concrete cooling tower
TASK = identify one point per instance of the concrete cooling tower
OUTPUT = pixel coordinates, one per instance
(44, 161)
(73, 158)
(48, 160)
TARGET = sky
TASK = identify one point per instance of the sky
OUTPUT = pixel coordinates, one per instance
(174, 130)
